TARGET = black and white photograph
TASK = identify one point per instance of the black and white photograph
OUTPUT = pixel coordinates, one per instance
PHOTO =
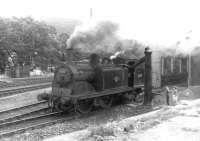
(100, 70)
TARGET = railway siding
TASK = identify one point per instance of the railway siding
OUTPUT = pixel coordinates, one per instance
(13, 82)
(20, 112)
(20, 89)
(21, 99)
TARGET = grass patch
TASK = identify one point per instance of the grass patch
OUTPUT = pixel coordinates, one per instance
(102, 130)
(150, 121)
(132, 125)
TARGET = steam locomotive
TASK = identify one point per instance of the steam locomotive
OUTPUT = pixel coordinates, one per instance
(83, 85)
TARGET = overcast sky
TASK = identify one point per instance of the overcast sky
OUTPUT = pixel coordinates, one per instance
(154, 21)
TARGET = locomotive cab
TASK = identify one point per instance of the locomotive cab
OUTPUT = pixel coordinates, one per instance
(131, 71)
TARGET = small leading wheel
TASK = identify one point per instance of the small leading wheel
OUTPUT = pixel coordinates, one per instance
(55, 105)
(139, 98)
(66, 107)
(62, 107)
(106, 101)
(84, 106)
(50, 104)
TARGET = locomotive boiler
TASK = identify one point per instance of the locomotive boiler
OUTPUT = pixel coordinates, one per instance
(83, 85)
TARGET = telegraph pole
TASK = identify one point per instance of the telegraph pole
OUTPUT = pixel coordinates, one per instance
(188, 40)
(189, 70)
(148, 96)
(91, 13)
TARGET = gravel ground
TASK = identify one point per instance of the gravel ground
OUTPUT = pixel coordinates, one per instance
(103, 117)
(169, 123)
(116, 113)
(185, 126)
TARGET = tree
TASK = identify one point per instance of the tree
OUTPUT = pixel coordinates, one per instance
(32, 42)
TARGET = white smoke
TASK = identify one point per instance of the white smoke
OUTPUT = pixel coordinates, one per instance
(103, 37)
(99, 37)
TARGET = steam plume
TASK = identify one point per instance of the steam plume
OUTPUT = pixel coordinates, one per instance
(102, 38)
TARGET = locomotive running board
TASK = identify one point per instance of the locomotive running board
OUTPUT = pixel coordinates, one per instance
(102, 93)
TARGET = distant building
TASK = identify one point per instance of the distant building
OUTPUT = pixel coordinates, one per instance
(168, 69)
(195, 66)
(173, 69)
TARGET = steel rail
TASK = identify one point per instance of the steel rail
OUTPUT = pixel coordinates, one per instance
(19, 112)
(21, 89)
(19, 126)
(21, 82)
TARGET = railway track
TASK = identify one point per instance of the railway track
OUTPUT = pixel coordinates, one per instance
(20, 89)
(37, 118)
(23, 111)
(24, 81)
(26, 117)
(32, 116)
(16, 126)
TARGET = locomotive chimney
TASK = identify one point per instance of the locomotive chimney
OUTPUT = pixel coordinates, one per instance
(94, 60)
(148, 96)
(69, 55)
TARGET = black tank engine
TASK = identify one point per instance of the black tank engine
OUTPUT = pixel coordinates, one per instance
(82, 85)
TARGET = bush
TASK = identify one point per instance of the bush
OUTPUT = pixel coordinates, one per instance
(102, 130)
